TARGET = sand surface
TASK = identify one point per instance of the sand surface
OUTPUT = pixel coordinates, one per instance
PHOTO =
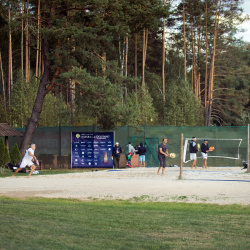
(226, 185)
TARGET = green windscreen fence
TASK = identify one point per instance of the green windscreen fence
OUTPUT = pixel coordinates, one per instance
(230, 142)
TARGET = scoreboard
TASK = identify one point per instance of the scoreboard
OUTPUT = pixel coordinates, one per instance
(92, 149)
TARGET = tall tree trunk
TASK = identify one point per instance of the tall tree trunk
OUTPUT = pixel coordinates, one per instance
(163, 60)
(72, 100)
(126, 56)
(198, 84)
(206, 68)
(184, 42)
(10, 74)
(3, 88)
(22, 31)
(212, 67)
(104, 65)
(194, 73)
(136, 60)
(122, 55)
(41, 93)
(27, 73)
(38, 41)
(144, 54)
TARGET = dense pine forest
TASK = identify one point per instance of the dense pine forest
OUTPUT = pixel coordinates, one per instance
(123, 62)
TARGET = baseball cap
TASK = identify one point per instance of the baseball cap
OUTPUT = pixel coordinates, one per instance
(205, 139)
(117, 143)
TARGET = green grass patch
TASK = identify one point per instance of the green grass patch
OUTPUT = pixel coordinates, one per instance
(40, 223)
(8, 172)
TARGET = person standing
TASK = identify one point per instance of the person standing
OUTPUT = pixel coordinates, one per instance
(130, 149)
(204, 151)
(27, 160)
(142, 151)
(193, 149)
(162, 153)
(129, 160)
(117, 150)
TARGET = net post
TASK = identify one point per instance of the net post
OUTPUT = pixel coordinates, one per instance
(181, 156)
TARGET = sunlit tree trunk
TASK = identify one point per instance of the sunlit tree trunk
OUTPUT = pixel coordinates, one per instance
(136, 60)
(194, 76)
(163, 60)
(122, 54)
(206, 66)
(144, 54)
(184, 42)
(72, 100)
(10, 74)
(212, 67)
(22, 67)
(3, 87)
(126, 57)
(27, 73)
(198, 84)
(38, 41)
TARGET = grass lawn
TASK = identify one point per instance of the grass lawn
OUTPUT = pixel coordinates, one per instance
(8, 172)
(40, 223)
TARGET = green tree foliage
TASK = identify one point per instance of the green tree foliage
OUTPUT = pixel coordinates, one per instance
(138, 109)
(15, 155)
(182, 107)
(83, 47)
(54, 111)
(4, 155)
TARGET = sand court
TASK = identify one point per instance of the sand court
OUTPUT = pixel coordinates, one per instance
(224, 185)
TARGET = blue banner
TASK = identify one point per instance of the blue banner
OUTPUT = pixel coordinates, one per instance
(92, 149)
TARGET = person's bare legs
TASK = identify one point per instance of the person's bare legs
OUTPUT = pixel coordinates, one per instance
(159, 169)
(194, 164)
(204, 163)
(163, 170)
(17, 170)
(143, 164)
(33, 167)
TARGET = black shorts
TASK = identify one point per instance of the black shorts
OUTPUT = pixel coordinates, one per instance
(162, 160)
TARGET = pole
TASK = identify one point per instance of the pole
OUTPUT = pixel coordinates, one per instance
(181, 156)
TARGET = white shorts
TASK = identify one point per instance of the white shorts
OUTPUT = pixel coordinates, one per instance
(25, 163)
(204, 155)
(193, 156)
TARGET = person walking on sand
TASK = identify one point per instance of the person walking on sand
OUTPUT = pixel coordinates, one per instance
(204, 151)
(142, 151)
(193, 149)
(162, 153)
(27, 160)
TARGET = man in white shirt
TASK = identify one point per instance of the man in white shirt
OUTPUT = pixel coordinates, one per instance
(27, 160)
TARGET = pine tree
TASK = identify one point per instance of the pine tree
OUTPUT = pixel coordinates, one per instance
(15, 154)
(4, 155)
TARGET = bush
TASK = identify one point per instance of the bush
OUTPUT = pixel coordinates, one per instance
(4, 155)
(15, 154)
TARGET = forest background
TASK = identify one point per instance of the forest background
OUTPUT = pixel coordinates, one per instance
(122, 62)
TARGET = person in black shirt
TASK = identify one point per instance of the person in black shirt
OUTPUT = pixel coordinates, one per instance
(162, 153)
(141, 151)
(204, 151)
(193, 150)
(117, 150)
